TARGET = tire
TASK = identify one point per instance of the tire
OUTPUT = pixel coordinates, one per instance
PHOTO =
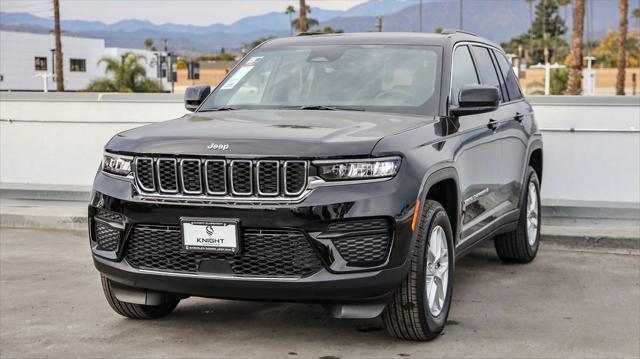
(520, 246)
(408, 315)
(136, 311)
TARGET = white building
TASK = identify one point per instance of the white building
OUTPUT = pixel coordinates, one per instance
(27, 61)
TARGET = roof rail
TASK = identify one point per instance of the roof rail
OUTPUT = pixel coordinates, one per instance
(457, 31)
(311, 33)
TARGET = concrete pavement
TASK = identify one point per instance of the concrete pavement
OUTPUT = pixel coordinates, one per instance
(566, 304)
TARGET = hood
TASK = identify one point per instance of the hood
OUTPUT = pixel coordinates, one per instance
(292, 133)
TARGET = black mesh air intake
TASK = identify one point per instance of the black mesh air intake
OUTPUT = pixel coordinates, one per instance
(295, 173)
(168, 175)
(269, 253)
(268, 177)
(191, 176)
(362, 242)
(215, 171)
(106, 236)
(144, 174)
(241, 177)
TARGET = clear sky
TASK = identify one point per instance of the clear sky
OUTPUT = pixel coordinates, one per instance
(194, 12)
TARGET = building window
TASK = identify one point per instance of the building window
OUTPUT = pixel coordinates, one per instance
(41, 63)
(78, 65)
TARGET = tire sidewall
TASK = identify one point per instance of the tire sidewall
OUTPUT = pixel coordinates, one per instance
(532, 177)
(439, 218)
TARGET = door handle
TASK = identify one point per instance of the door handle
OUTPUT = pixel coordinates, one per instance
(493, 125)
(518, 117)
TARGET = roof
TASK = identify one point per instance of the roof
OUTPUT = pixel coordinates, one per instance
(448, 38)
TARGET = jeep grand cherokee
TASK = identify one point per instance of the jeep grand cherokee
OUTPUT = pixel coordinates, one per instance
(349, 170)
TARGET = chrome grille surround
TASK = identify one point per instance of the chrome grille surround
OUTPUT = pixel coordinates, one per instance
(192, 184)
(265, 185)
(145, 164)
(209, 180)
(219, 185)
(302, 183)
(168, 174)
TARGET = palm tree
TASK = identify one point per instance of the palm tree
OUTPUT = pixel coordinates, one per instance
(575, 69)
(302, 21)
(310, 23)
(289, 11)
(623, 7)
(128, 75)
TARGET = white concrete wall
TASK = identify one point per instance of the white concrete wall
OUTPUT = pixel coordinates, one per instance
(58, 139)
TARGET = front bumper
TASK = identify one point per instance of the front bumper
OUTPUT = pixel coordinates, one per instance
(336, 281)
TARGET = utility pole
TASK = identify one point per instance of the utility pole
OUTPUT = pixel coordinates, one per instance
(420, 16)
(303, 16)
(379, 23)
(461, 12)
(56, 30)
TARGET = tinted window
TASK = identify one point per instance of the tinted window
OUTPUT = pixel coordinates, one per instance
(78, 65)
(487, 70)
(464, 72)
(41, 64)
(400, 79)
(509, 76)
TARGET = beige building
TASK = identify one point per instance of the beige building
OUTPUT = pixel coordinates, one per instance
(605, 81)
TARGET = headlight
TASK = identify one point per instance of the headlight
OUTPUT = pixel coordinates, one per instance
(358, 169)
(117, 164)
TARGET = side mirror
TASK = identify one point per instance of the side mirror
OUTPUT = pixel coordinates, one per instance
(194, 96)
(474, 99)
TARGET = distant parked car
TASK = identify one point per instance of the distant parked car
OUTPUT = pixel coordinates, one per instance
(350, 170)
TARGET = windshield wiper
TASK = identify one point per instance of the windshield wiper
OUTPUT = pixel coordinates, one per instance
(329, 108)
(218, 109)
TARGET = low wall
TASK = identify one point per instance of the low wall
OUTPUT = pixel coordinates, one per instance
(591, 157)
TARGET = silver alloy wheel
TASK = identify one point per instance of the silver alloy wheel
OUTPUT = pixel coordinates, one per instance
(437, 270)
(532, 214)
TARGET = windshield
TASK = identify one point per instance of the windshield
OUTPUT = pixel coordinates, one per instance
(401, 79)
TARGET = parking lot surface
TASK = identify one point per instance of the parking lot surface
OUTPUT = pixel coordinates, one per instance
(566, 304)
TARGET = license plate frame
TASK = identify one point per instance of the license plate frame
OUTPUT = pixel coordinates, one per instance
(199, 235)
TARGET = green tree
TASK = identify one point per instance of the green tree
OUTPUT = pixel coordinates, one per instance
(330, 30)
(148, 43)
(547, 30)
(311, 22)
(250, 46)
(606, 53)
(128, 75)
(290, 11)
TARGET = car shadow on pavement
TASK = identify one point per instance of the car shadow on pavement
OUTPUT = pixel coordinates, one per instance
(260, 320)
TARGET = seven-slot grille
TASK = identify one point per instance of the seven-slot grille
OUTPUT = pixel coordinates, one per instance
(211, 177)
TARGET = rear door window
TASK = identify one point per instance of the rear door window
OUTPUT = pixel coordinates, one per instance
(487, 69)
(464, 72)
(511, 81)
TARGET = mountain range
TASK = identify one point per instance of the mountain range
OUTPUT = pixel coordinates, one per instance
(497, 20)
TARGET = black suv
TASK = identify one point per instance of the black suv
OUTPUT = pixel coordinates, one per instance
(349, 170)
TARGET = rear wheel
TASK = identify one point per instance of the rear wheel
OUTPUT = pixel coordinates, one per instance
(136, 311)
(522, 244)
(420, 306)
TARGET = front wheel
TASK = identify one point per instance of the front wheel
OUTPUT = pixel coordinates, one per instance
(522, 244)
(136, 311)
(420, 307)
